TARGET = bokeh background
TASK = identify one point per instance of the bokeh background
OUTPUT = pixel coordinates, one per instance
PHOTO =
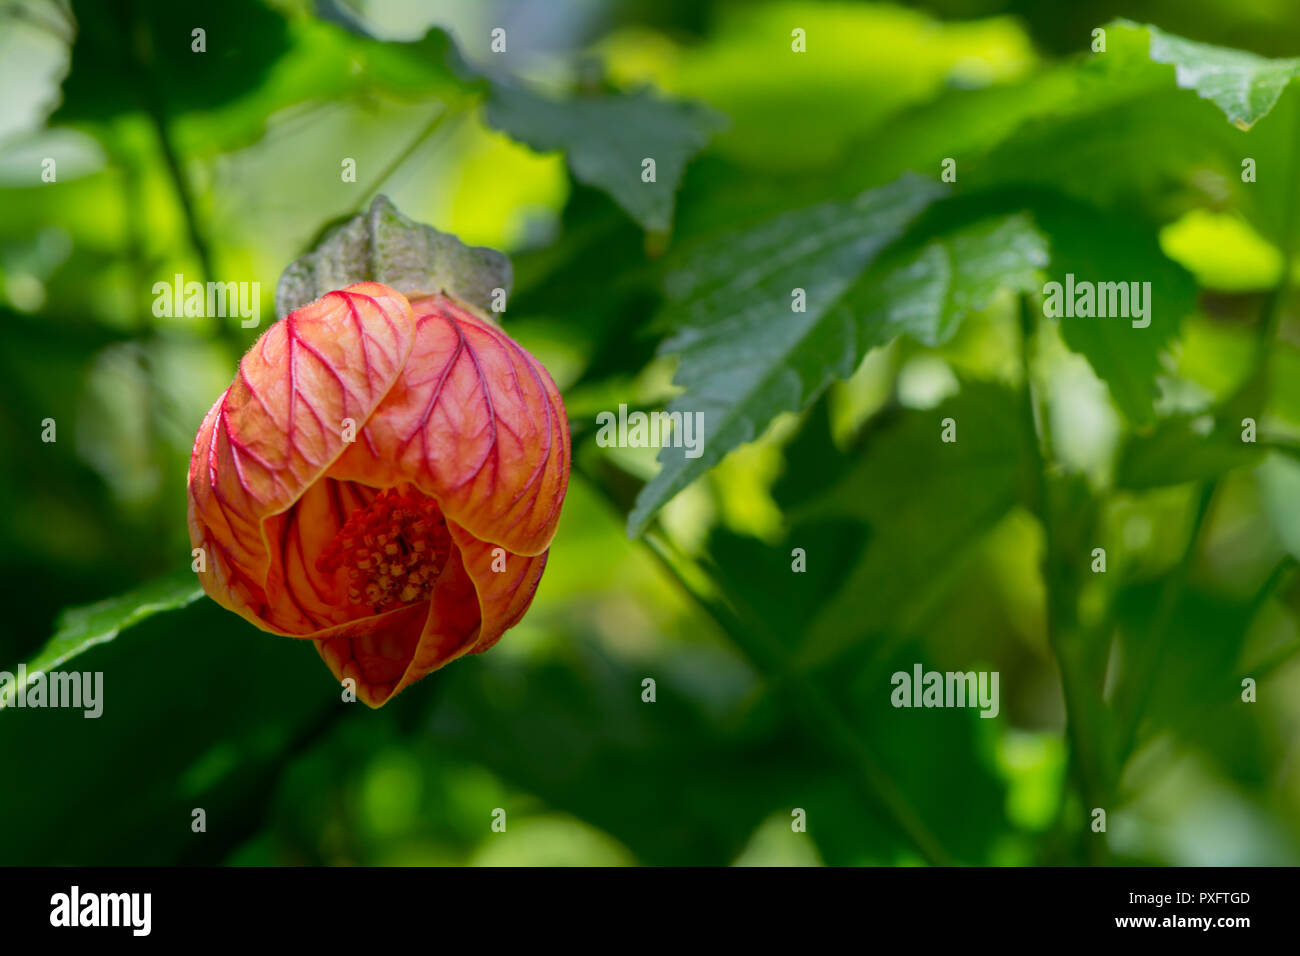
(772, 687)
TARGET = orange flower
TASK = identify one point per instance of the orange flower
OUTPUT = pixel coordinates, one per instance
(383, 477)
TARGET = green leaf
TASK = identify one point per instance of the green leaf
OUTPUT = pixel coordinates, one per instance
(756, 580)
(128, 57)
(924, 292)
(606, 139)
(1065, 123)
(1095, 247)
(575, 737)
(746, 355)
(81, 628)
(1179, 451)
(924, 502)
(139, 57)
(325, 65)
(1244, 85)
(1075, 119)
(224, 759)
(1279, 482)
(930, 291)
(382, 245)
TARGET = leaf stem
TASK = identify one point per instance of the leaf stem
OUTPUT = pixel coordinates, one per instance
(1170, 597)
(1066, 641)
(147, 87)
(444, 113)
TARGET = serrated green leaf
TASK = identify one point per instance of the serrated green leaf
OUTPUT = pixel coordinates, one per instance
(81, 628)
(923, 292)
(746, 355)
(930, 291)
(1242, 84)
(607, 138)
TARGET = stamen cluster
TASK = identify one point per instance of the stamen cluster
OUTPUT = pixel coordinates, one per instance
(393, 550)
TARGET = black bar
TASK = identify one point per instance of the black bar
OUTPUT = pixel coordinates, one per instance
(217, 906)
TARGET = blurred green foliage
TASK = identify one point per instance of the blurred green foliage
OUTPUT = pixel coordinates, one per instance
(776, 170)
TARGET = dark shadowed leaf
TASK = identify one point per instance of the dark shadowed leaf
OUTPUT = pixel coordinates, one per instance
(746, 353)
(924, 502)
(81, 628)
(607, 140)
(1180, 450)
(128, 56)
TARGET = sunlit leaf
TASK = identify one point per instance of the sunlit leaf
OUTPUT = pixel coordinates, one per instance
(1089, 246)
(1244, 85)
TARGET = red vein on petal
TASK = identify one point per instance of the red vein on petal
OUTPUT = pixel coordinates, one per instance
(248, 385)
(288, 586)
(241, 519)
(494, 449)
(507, 345)
(336, 501)
(435, 393)
(343, 388)
(356, 320)
(292, 337)
(539, 471)
(302, 560)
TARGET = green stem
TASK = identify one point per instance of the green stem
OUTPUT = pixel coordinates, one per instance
(147, 86)
(1064, 637)
(444, 113)
(184, 194)
(1170, 597)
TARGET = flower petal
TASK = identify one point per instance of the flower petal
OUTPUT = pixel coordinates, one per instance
(503, 595)
(475, 422)
(301, 597)
(275, 432)
(385, 659)
(376, 658)
(471, 607)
